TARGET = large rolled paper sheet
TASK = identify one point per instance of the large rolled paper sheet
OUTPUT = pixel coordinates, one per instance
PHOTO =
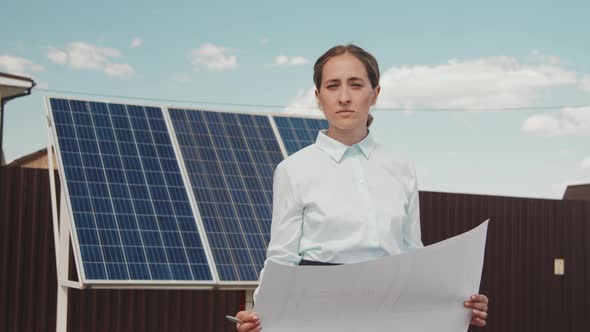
(421, 290)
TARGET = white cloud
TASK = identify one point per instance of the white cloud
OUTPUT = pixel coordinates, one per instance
(57, 56)
(495, 82)
(584, 84)
(538, 57)
(119, 69)
(545, 124)
(281, 60)
(298, 60)
(304, 103)
(584, 164)
(284, 60)
(136, 42)
(264, 41)
(81, 55)
(18, 66)
(569, 121)
(88, 56)
(213, 57)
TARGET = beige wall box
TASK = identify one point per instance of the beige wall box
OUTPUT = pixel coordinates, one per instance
(559, 266)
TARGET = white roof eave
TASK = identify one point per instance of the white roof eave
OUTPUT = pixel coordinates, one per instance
(13, 86)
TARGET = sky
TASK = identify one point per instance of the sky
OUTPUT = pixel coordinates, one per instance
(485, 98)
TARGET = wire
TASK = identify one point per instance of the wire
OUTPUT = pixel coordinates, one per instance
(160, 99)
(271, 106)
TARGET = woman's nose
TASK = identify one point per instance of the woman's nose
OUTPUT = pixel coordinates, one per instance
(344, 97)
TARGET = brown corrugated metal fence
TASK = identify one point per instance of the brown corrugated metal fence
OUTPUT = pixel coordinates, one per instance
(28, 284)
(524, 237)
(152, 310)
(27, 261)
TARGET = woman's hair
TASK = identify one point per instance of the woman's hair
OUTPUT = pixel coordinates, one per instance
(365, 57)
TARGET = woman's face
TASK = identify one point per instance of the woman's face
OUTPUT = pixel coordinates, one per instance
(345, 95)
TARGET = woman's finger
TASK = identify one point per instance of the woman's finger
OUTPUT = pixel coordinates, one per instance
(251, 322)
(479, 314)
(476, 305)
(248, 327)
(479, 298)
(478, 322)
(246, 316)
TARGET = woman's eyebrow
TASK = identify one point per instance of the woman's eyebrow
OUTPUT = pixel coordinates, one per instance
(356, 79)
(334, 80)
(337, 80)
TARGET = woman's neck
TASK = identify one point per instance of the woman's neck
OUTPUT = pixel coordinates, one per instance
(347, 137)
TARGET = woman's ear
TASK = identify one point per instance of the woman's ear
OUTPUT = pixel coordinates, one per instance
(317, 99)
(376, 92)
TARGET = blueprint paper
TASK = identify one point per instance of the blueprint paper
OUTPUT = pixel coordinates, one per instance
(421, 290)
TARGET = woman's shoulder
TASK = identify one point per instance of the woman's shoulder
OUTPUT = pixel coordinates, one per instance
(299, 162)
(303, 156)
(394, 160)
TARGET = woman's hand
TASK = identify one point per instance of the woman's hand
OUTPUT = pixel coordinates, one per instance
(251, 322)
(479, 309)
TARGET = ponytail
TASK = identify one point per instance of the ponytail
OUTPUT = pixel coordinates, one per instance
(369, 120)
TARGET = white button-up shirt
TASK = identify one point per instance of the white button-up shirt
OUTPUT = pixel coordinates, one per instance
(343, 204)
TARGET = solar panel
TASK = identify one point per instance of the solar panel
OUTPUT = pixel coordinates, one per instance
(298, 133)
(131, 212)
(230, 159)
(130, 209)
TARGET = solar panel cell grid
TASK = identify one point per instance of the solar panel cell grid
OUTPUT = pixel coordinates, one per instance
(230, 159)
(298, 133)
(127, 194)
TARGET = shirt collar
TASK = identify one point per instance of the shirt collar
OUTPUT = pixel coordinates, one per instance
(336, 149)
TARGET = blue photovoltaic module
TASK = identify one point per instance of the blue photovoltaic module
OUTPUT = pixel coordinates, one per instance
(298, 133)
(131, 212)
(230, 159)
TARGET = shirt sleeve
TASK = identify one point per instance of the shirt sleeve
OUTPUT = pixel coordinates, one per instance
(412, 234)
(287, 221)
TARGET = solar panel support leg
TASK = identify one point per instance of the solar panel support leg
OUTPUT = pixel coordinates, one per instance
(61, 323)
(249, 299)
(59, 227)
(53, 188)
(62, 272)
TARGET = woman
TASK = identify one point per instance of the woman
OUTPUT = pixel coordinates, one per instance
(345, 199)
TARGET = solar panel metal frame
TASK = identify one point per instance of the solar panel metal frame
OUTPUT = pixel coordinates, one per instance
(67, 214)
